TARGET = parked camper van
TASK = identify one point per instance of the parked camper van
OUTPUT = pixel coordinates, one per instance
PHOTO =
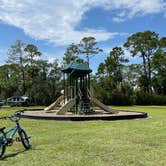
(18, 101)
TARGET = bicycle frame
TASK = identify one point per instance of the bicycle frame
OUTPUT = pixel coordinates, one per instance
(13, 132)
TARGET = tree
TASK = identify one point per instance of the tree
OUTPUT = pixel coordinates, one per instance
(159, 65)
(88, 47)
(111, 87)
(101, 71)
(144, 44)
(9, 80)
(114, 64)
(32, 52)
(16, 56)
(32, 68)
(16, 53)
(159, 59)
(132, 73)
(54, 79)
(71, 55)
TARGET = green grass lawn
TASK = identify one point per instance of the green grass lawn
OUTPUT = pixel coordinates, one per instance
(94, 143)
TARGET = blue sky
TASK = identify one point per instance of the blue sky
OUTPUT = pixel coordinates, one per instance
(54, 24)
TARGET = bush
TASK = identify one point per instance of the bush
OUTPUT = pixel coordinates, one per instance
(143, 98)
(122, 95)
(103, 96)
(118, 98)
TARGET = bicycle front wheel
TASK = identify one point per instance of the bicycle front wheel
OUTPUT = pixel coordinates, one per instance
(24, 139)
(2, 149)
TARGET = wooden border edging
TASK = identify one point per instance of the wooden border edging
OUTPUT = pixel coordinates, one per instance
(87, 118)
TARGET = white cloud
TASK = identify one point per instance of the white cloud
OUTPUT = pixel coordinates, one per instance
(127, 9)
(56, 20)
(51, 20)
(118, 19)
(53, 56)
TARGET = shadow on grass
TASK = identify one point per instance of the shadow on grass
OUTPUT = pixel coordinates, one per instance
(14, 154)
(17, 153)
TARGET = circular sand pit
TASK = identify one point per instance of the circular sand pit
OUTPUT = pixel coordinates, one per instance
(97, 115)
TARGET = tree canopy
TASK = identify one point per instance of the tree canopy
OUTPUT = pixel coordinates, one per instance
(117, 80)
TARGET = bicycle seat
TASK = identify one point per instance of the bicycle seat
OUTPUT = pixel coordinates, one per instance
(2, 128)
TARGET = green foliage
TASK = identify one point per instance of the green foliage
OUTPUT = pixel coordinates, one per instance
(114, 89)
(88, 47)
(26, 75)
(116, 81)
(43, 88)
(148, 77)
(9, 80)
(122, 95)
(32, 51)
(144, 44)
(71, 55)
(16, 54)
(159, 65)
(101, 71)
(114, 64)
(143, 98)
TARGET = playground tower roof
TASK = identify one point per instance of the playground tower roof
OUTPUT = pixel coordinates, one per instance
(77, 68)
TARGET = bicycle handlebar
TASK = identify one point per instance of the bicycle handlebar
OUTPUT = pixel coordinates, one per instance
(13, 118)
(20, 111)
(16, 115)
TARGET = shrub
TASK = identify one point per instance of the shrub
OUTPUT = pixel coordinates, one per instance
(143, 98)
(122, 95)
(118, 98)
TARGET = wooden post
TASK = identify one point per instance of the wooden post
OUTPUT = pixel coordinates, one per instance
(76, 93)
(64, 87)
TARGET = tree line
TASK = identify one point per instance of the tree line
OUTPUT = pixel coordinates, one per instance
(26, 74)
(139, 83)
(117, 81)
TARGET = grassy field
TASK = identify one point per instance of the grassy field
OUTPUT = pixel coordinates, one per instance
(96, 143)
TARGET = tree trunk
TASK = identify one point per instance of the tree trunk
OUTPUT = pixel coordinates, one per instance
(145, 72)
(87, 56)
(23, 73)
(149, 75)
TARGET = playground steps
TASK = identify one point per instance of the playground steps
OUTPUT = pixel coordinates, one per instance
(85, 106)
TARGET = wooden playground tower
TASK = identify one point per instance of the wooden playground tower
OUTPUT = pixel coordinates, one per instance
(77, 97)
(77, 86)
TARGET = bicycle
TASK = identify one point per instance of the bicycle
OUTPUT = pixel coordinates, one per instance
(6, 140)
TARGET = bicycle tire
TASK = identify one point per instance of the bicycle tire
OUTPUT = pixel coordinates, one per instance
(2, 150)
(24, 139)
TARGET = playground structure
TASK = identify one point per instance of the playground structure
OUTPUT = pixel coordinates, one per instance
(78, 97)
(77, 101)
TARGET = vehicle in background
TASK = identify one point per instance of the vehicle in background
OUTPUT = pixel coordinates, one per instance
(1, 103)
(18, 101)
